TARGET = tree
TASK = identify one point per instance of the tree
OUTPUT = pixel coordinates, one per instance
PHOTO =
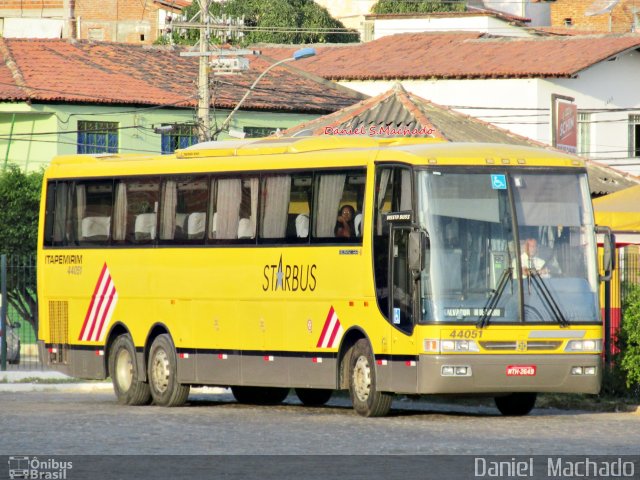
(418, 6)
(273, 21)
(20, 200)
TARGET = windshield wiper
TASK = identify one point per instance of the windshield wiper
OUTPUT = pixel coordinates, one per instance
(547, 297)
(492, 302)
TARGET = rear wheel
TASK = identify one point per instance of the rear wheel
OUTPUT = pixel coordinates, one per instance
(259, 395)
(163, 374)
(516, 404)
(313, 397)
(123, 369)
(366, 399)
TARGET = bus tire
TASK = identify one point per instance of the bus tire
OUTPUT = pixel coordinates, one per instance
(366, 399)
(313, 397)
(516, 404)
(162, 371)
(123, 369)
(259, 395)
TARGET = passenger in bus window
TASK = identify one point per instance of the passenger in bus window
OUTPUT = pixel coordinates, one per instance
(345, 227)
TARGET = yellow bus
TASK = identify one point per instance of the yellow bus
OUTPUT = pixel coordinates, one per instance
(379, 266)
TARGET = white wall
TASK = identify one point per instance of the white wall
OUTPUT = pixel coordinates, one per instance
(523, 106)
(477, 23)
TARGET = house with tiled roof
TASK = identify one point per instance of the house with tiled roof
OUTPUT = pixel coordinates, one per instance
(398, 113)
(140, 22)
(64, 97)
(508, 82)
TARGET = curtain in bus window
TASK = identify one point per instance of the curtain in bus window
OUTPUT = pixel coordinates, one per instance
(382, 192)
(405, 190)
(168, 216)
(213, 222)
(120, 213)
(60, 215)
(329, 196)
(276, 194)
(81, 208)
(255, 183)
(228, 208)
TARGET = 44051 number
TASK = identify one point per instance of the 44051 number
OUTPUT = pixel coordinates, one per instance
(466, 333)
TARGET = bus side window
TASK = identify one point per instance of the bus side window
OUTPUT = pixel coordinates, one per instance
(234, 209)
(49, 216)
(275, 197)
(183, 209)
(142, 198)
(335, 191)
(93, 204)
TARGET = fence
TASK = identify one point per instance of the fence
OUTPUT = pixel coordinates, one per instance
(18, 314)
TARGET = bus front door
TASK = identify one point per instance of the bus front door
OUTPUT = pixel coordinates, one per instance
(402, 313)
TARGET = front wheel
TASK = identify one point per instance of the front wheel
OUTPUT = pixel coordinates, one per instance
(163, 374)
(123, 369)
(366, 399)
(516, 404)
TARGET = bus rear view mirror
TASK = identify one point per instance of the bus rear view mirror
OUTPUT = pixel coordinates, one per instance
(418, 244)
(608, 252)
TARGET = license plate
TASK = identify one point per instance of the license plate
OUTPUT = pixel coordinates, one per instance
(521, 370)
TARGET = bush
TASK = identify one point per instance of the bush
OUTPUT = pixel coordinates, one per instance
(630, 338)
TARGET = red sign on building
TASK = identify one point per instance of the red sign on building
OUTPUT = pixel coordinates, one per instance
(566, 126)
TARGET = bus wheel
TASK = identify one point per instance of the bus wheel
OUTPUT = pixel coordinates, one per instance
(367, 401)
(162, 373)
(259, 395)
(123, 369)
(313, 397)
(516, 404)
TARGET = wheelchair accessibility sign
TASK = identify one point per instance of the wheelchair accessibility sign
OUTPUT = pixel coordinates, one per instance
(498, 182)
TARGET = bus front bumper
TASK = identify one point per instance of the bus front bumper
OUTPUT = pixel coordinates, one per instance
(578, 373)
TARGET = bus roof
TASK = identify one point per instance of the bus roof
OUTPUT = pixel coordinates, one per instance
(245, 155)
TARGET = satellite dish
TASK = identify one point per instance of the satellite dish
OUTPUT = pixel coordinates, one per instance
(600, 7)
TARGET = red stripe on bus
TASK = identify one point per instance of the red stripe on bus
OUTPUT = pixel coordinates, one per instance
(93, 299)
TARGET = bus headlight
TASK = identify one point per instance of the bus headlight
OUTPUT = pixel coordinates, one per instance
(592, 346)
(459, 346)
(449, 346)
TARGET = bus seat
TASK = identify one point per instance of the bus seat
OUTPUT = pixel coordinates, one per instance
(181, 225)
(244, 228)
(195, 225)
(145, 226)
(302, 226)
(357, 221)
(96, 228)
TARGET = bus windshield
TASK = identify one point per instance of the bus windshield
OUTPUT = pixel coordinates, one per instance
(507, 247)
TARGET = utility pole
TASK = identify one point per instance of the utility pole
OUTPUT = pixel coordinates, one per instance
(204, 96)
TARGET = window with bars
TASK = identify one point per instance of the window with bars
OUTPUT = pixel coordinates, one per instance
(634, 135)
(584, 133)
(182, 136)
(97, 137)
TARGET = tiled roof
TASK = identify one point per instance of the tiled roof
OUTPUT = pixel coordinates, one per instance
(463, 55)
(401, 110)
(114, 73)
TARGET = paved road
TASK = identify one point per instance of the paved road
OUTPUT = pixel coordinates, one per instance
(70, 422)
